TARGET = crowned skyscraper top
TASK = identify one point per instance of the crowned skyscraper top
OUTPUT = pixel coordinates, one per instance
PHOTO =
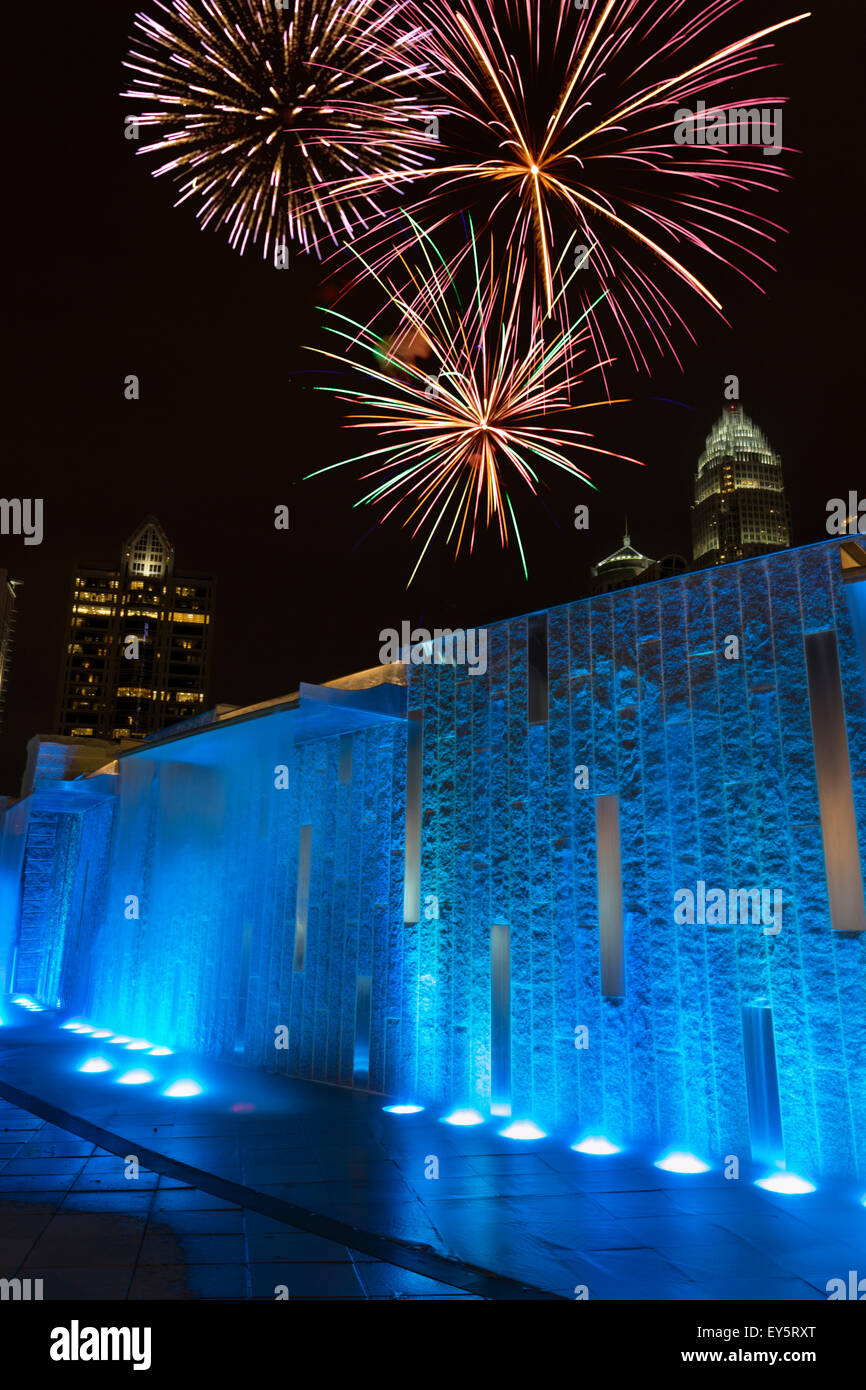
(137, 653)
(740, 508)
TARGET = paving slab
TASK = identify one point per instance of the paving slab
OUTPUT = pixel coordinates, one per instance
(325, 1171)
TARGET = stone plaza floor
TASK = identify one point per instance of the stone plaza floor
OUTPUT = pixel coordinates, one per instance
(69, 1217)
(263, 1183)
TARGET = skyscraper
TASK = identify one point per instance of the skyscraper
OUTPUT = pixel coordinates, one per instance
(138, 644)
(740, 508)
(7, 630)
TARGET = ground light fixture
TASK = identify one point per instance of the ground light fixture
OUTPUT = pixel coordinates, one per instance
(184, 1087)
(788, 1184)
(74, 1025)
(596, 1144)
(681, 1162)
(522, 1129)
(677, 1161)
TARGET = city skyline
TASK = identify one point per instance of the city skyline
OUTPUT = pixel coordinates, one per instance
(227, 419)
(65, 721)
(433, 665)
(575, 584)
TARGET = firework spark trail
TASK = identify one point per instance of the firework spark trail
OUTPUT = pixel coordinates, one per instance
(578, 133)
(259, 107)
(453, 442)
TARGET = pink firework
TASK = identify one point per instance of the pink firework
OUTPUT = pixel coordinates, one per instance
(567, 129)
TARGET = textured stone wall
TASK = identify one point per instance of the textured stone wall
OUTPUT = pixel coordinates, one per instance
(62, 893)
(40, 890)
(713, 765)
(712, 762)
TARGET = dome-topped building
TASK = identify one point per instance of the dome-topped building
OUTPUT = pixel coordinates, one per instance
(625, 566)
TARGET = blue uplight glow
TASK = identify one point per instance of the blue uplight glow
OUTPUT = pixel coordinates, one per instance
(402, 1109)
(183, 1088)
(135, 1078)
(174, 829)
(139, 1045)
(789, 1184)
(95, 1064)
(596, 1144)
(681, 1162)
(522, 1129)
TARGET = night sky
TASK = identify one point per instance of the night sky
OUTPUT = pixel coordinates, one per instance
(106, 278)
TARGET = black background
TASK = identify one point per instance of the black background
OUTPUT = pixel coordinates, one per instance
(106, 278)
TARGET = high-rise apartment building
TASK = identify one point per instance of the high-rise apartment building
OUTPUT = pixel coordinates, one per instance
(7, 631)
(740, 508)
(138, 643)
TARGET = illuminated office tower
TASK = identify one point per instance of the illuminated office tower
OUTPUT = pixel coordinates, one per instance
(138, 643)
(7, 631)
(740, 508)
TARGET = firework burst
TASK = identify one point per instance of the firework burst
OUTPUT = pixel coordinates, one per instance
(557, 119)
(258, 105)
(457, 439)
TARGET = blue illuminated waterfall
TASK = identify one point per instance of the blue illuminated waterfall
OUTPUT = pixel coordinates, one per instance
(460, 890)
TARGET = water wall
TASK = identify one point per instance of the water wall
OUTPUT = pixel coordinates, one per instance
(196, 943)
(613, 884)
(674, 746)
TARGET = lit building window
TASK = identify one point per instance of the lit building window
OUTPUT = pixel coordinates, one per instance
(137, 600)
